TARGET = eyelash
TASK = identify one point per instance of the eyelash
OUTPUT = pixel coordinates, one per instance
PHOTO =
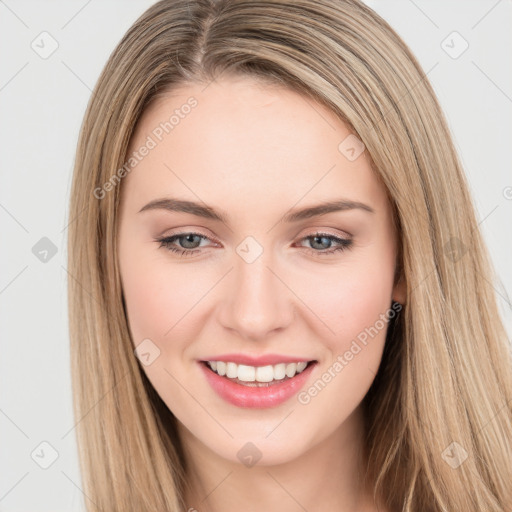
(167, 242)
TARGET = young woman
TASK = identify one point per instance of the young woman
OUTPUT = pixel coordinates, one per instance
(280, 298)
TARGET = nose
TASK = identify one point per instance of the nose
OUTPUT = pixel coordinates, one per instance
(257, 301)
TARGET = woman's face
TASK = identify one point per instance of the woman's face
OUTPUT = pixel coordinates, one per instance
(248, 275)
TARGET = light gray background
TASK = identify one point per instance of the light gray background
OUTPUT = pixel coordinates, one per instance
(42, 102)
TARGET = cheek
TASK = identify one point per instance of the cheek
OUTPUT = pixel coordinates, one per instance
(349, 300)
(158, 295)
(356, 308)
(161, 300)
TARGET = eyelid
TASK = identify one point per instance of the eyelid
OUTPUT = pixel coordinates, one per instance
(191, 231)
(339, 233)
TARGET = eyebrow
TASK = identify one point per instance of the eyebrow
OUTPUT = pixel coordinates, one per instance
(201, 210)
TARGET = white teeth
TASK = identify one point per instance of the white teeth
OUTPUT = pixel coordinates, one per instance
(231, 370)
(265, 373)
(279, 371)
(291, 369)
(221, 367)
(301, 366)
(247, 373)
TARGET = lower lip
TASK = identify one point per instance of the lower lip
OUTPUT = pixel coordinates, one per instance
(256, 397)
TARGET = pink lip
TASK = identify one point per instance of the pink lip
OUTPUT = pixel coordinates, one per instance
(267, 359)
(255, 397)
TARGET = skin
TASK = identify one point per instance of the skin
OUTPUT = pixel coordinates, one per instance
(256, 151)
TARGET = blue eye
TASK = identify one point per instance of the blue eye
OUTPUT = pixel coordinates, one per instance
(168, 242)
(189, 241)
(321, 238)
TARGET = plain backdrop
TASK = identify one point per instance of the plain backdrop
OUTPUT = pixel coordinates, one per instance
(42, 102)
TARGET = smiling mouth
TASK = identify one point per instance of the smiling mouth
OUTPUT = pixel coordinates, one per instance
(257, 376)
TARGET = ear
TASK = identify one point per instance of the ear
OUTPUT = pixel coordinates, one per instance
(399, 291)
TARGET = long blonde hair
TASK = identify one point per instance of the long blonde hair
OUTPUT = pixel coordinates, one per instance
(443, 392)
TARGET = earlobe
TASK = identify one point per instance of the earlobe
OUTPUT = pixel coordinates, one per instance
(399, 291)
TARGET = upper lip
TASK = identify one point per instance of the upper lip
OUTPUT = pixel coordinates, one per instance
(262, 360)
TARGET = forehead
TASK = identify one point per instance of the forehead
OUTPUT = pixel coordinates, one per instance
(240, 138)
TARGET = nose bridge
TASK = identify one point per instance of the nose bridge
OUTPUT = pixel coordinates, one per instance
(257, 301)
